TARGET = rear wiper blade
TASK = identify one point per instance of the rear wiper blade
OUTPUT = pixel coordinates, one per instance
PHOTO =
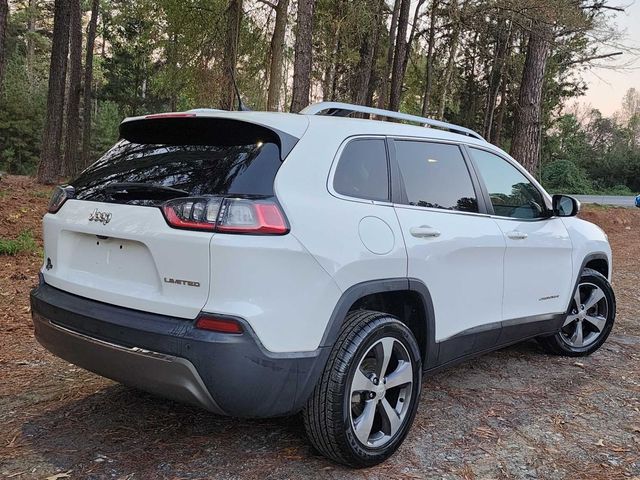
(143, 191)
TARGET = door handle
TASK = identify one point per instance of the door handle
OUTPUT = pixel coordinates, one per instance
(424, 231)
(516, 235)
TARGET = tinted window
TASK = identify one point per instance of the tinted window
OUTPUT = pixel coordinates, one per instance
(362, 170)
(435, 175)
(512, 194)
(248, 168)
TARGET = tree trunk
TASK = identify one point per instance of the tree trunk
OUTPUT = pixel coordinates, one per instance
(496, 133)
(374, 74)
(71, 137)
(362, 80)
(469, 96)
(303, 51)
(50, 160)
(277, 55)
(335, 66)
(31, 30)
(497, 73)
(328, 81)
(426, 99)
(88, 84)
(4, 21)
(172, 59)
(453, 51)
(414, 24)
(384, 83)
(230, 57)
(397, 75)
(525, 146)
(363, 76)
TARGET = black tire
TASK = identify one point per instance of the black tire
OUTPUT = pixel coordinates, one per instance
(328, 413)
(560, 343)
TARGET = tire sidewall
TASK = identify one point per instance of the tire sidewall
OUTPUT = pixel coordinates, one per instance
(387, 327)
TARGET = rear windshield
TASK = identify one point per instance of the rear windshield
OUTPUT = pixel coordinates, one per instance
(194, 163)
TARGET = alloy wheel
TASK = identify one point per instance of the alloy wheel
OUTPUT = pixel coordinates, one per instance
(587, 318)
(381, 392)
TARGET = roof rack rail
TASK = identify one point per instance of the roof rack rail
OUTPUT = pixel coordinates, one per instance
(338, 109)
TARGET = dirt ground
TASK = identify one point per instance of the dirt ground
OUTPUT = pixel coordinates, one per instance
(515, 413)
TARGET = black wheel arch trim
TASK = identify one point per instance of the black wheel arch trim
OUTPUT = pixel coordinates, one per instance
(588, 258)
(360, 290)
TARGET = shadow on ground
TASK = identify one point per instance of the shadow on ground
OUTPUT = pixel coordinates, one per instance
(118, 430)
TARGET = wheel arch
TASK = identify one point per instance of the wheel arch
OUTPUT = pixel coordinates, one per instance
(598, 261)
(406, 298)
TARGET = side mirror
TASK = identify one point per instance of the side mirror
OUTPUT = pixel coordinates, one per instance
(565, 206)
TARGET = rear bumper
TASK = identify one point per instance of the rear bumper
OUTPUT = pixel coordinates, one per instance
(226, 374)
(166, 375)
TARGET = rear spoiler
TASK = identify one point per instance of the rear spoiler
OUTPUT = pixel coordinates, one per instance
(190, 129)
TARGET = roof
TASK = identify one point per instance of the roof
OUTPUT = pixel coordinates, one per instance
(296, 124)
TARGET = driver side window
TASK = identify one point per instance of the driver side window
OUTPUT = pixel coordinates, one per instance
(512, 194)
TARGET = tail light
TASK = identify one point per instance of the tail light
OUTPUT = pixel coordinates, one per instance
(229, 215)
(58, 197)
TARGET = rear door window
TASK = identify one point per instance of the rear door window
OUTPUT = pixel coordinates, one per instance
(435, 175)
(362, 170)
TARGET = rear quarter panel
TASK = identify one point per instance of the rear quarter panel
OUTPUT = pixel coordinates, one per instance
(275, 285)
(330, 227)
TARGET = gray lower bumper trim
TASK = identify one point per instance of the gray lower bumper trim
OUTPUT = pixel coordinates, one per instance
(164, 375)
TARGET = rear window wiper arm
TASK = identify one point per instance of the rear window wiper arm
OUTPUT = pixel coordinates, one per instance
(143, 191)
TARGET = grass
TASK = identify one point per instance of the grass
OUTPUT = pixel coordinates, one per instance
(24, 243)
(42, 193)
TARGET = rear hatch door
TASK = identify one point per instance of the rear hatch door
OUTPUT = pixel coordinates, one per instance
(112, 243)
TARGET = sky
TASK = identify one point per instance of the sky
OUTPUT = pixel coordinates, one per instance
(607, 87)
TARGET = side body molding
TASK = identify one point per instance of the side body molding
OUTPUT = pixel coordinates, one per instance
(464, 345)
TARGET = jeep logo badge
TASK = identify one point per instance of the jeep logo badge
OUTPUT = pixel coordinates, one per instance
(98, 216)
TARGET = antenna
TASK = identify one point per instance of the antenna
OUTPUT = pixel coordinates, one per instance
(241, 106)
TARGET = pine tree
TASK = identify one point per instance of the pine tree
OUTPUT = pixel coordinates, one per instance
(50, 156)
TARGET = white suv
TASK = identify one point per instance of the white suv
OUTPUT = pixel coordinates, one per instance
(261, 264)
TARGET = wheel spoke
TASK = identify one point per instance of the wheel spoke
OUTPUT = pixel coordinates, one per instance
(383, 355)
(389, 417)
(569, 319)
(576, 298)
(595, 297)
(597, 321)
(361, 383)
(400, 376)
(362, 424)
(577, 337)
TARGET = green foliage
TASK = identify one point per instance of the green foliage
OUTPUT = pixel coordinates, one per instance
(564, 176)
(160, 55)
(22, 107)
(23, 243)
(599, 155)
(105, 128)
(617, 190)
